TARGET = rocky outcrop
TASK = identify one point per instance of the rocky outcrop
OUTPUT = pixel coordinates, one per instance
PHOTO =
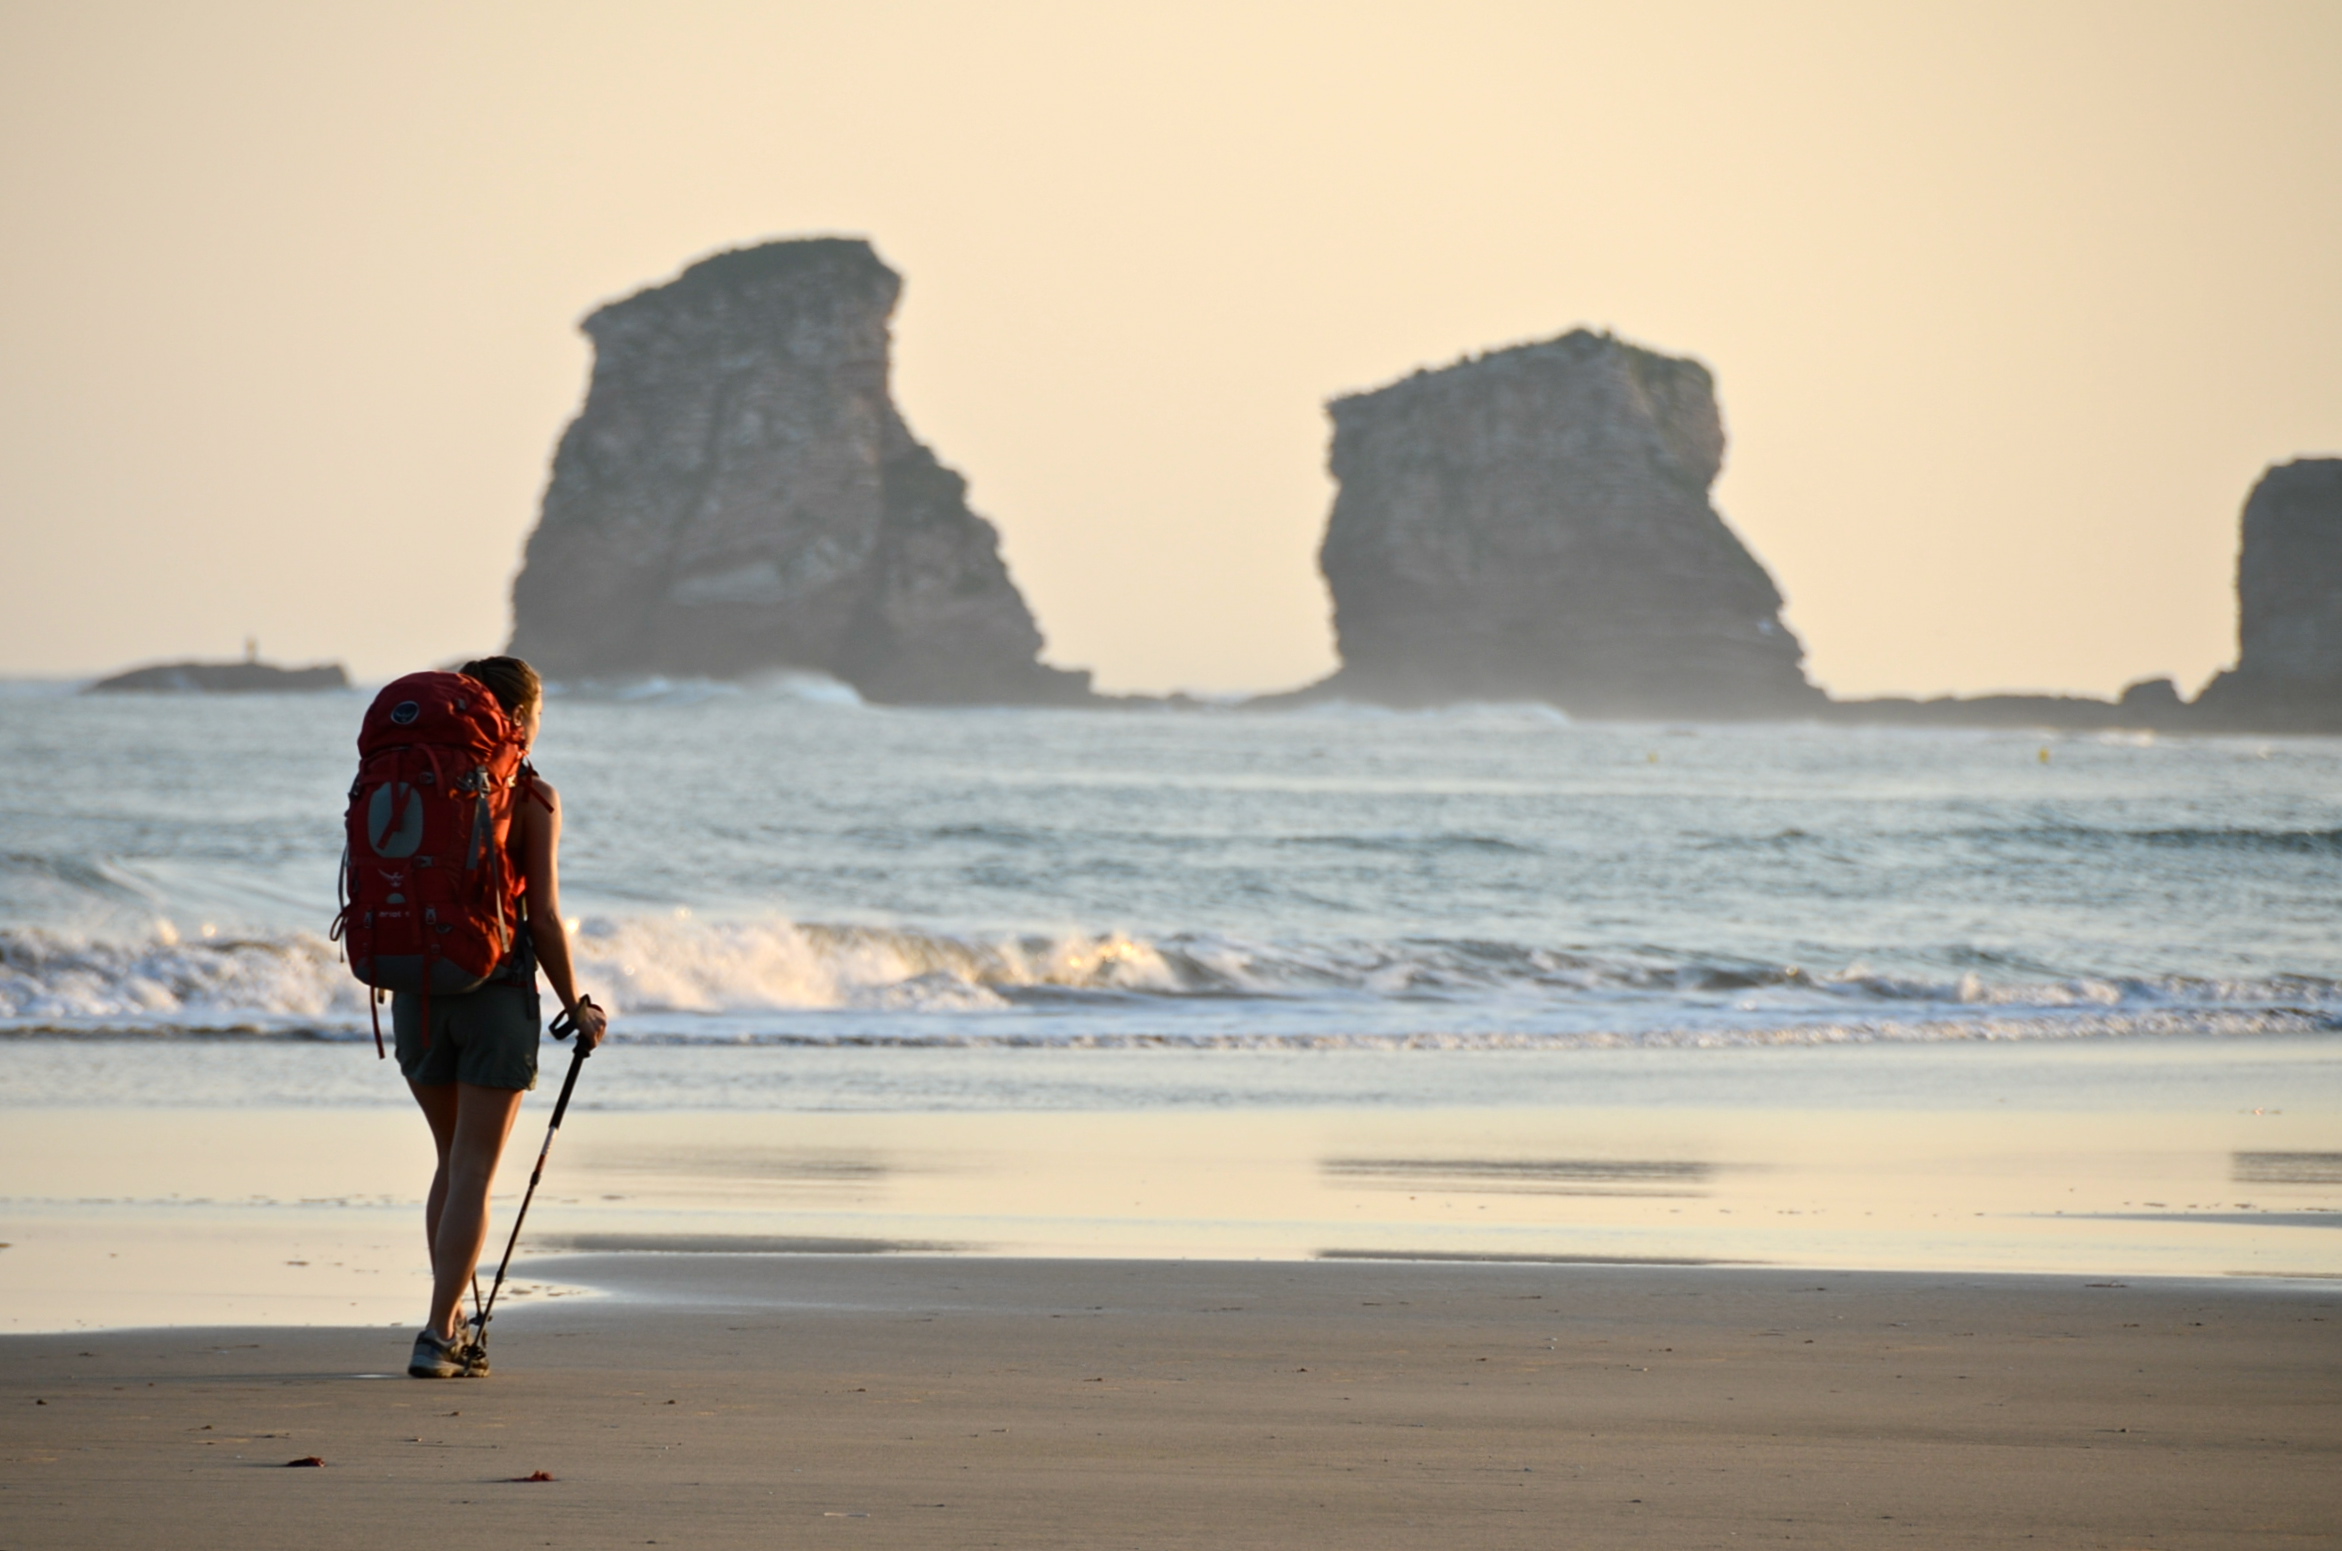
(2149, 705)
(740, 494)
(249, 677)
(1535, 524)
(2288, 674)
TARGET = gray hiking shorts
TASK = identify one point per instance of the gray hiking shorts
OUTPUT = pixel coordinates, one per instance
(487, 1037)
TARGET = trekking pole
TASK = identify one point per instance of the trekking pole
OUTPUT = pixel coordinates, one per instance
(563, 1027)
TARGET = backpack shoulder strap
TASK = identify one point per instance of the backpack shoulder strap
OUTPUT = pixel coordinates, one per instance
(532, 788)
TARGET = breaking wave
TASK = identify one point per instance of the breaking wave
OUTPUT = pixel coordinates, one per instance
(683, 979)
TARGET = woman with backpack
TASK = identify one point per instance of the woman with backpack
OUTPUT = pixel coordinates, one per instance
(467, 1055)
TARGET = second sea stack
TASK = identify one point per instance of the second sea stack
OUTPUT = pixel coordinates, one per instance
(739, 494)
(1535, 525)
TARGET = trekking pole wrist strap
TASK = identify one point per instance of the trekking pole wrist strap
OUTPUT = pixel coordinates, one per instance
(566, 1024)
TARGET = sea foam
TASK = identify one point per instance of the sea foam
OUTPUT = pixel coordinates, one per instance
(677, 977)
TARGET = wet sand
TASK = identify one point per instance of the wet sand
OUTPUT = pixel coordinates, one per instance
(278, 1216)
(721, 1400)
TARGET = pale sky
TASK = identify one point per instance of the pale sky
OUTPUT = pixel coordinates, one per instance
(2008, 304)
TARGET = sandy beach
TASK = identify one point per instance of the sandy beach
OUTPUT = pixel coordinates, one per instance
(2090, 1160)
(720, 1400)
(2078, 1295)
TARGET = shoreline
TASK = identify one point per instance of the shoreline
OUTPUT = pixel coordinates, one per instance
(719, 1400)
(2178, 1169)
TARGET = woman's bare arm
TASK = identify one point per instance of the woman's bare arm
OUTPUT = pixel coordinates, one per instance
(540, 849)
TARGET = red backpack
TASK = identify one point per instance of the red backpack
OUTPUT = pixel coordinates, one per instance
(429, 899)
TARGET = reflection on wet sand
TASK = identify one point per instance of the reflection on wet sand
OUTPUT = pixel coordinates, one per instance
(745, 1168)
(736, 1244)
(2286, 1168)
(2261, 1219)
(245, 1238)
(1989, 1191)
(1528, 1176)
(1495, 1258)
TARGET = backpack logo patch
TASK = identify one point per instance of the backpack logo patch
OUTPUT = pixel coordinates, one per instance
(394, 819)
(405, 712)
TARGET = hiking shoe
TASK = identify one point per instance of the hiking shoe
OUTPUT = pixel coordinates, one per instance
(436, 1358)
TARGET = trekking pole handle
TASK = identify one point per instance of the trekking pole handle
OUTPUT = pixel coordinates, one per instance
(565, 1022)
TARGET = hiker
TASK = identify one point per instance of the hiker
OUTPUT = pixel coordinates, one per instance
(469, 1069)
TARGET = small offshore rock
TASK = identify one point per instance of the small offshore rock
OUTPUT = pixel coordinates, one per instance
(224, 678)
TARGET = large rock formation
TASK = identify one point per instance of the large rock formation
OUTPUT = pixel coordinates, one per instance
(740, 494)
(2288, 675)
(1535, 524)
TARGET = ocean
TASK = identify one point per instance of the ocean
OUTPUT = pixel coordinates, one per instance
(781, 865)
(1479, 982)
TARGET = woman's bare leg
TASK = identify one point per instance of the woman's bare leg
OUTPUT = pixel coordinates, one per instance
(469, 1126)
(438, 1104)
